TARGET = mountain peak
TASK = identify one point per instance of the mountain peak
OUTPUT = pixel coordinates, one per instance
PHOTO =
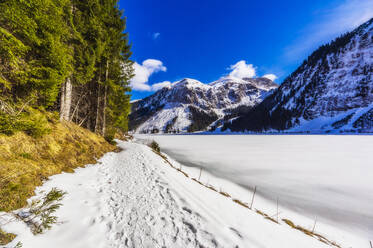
(188, 82)
(226, 79)
(261, 82)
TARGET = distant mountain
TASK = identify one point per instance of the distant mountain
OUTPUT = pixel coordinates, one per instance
(189, 105)
(332, 91)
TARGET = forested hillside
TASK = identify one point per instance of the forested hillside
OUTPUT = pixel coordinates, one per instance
(332, 91)
(68, 56)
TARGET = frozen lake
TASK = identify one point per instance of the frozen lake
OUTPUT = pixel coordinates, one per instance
(330, 177)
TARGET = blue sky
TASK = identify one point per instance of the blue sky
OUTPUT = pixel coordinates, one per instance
(207, 39)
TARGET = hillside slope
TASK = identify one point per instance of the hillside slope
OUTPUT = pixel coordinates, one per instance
(332, 91)
(189, 105)
(27, 161)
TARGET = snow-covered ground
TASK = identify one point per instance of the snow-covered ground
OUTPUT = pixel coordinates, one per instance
(324, 177)
(136, 199)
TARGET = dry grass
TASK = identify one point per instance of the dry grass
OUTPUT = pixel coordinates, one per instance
(118, 149)
(310, 233)
(27, 161)
(292, 225)
(166, 160)
(241, 203)
(225, 194)
(123, 136)
(185, 174)
(266, 216)
(197, 181)
(211, 187)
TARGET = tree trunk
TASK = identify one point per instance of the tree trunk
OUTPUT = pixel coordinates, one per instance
(76, 107)
(62, 102)
(91, 106)
(98, 118)
(104, 113)
(97, 125)
(105, 100)
(65, 103)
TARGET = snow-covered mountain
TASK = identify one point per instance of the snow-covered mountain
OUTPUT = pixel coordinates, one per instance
(332, 91)
(189, 105)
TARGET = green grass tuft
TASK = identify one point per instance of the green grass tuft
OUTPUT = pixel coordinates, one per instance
(6, 238)
(155, 146)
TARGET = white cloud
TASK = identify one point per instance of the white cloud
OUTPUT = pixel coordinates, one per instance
(161, 85)
(330, 24)
(156, 35)
(272, 77)
(143, 72)
(242, 70)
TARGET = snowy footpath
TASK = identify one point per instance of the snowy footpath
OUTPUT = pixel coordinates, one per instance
(134, 198)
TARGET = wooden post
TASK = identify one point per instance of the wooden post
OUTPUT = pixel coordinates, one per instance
(371, 245)
(200, 172)
(277, 209)
(252, 200)
(314, 225)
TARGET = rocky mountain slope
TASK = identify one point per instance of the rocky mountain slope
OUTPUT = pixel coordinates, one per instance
(189, 105)
(332, 91)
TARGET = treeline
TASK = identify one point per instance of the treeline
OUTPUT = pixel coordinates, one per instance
(69, 56)
(200, 119)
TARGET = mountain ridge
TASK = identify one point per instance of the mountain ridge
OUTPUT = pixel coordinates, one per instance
(331, 91)
(190, 105)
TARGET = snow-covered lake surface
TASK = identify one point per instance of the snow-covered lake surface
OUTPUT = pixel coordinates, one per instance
(325, 177)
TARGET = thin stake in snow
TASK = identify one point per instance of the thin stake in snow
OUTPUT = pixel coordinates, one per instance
(277, 209)
(314, 225)
(200, 172)
(252, 200)
(276, 214)
(371, 245)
